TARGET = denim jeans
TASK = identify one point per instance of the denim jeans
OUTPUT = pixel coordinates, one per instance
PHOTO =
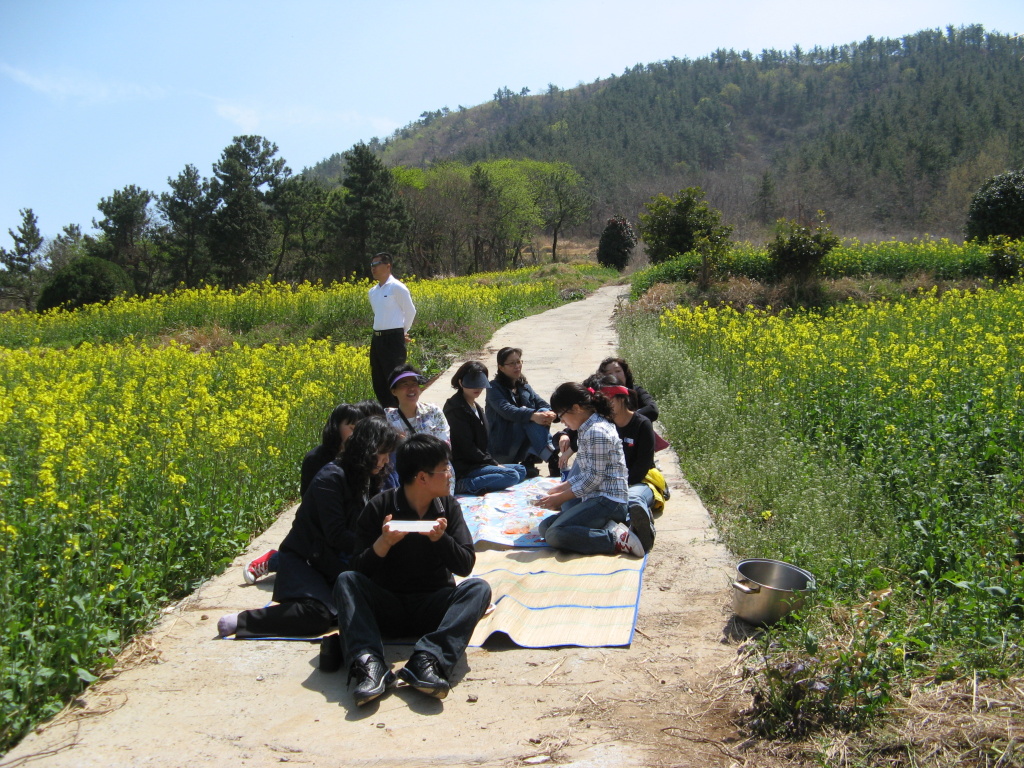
(641, 495)
(445, 618)
(580, 526)
(532, 438)
(490, 478)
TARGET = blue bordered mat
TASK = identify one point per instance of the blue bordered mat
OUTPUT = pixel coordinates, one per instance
(544, 598)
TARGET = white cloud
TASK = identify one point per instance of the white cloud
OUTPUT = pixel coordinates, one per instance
(79, 86)
(250, 119)
(247, 119)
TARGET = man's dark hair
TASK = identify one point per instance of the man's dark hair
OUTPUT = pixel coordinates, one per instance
(419, 453)
(384, 258)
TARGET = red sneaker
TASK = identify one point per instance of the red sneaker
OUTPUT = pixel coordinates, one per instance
(258, 568)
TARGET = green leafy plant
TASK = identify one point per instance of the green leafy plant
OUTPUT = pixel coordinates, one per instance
(681, 224)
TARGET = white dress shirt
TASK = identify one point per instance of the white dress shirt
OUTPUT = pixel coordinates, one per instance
(392, 306)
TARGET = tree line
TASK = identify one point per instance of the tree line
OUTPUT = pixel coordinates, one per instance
(883, 134)
(253, 218)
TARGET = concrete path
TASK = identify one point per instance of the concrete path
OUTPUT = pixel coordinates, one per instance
(183, 698)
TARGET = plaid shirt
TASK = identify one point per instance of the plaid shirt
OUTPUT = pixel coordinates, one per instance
(600, 467)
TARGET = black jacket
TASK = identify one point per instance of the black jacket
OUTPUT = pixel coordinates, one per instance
(324, 530)
(469, 435)
(414, 564)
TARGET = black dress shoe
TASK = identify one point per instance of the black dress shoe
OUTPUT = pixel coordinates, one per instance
(423, 672)
(372, 676)
(553, 469)
(531, 471)
(330, 653)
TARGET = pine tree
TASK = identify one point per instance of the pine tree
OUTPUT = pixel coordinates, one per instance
(369, 216)
(245, 175)
(23, 268)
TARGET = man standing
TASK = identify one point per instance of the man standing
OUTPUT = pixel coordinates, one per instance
(412, 539)
(393, 313)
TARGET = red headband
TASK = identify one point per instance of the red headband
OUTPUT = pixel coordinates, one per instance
(616, 390)
(591, 391)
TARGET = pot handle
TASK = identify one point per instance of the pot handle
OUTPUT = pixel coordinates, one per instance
(746, 587)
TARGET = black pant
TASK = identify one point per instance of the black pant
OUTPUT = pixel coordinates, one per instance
(387, 352)
(294, 618)
(445, 618)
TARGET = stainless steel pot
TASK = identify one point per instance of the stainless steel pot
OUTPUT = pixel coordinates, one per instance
(766, 590)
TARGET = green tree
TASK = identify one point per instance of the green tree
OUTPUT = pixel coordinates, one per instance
(676, 225)
(240, 238)
(997, 208)
(128, 234)
(299, 205)
(369, 216)
(188, 209)
(65, 247)
(505, 213)
(24, 267)
(766, 206)
(617, 243)
(87, 280)
(562, 198)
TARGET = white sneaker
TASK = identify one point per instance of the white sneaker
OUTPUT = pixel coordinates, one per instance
(626, 542)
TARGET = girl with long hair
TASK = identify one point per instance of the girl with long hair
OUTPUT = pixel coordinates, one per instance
(321, 541)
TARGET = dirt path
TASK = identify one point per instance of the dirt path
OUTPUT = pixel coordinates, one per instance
(186, 699)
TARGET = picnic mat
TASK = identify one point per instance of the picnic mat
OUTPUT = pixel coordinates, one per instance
(508, 517)
(545, 598)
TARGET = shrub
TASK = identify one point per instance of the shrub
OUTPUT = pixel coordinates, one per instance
(998, 208)
(680, 224)
(1005, 257)
(87, 280)
(797, 250)
(617, 243)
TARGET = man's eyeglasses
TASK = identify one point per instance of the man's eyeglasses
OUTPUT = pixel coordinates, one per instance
(375, 264)
(445, 471)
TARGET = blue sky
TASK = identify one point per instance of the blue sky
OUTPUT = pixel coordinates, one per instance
(95, 96)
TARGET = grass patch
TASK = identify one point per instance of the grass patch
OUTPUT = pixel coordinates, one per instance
(877, 447)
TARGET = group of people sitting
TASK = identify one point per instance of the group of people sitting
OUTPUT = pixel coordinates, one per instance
(379, 536)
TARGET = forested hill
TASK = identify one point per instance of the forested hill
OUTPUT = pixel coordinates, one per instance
(885, 135)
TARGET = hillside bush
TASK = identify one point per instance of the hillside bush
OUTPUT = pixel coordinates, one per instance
(997, 208)
(682, 224)
(940, 258)
(797, 250)
(1006, 257)
(617, 243)
(87, 280)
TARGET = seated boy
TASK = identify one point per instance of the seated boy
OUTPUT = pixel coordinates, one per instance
(401, 582)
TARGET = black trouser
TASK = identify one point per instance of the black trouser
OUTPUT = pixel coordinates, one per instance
(445, 618)
(294, 618)
(387, 352)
